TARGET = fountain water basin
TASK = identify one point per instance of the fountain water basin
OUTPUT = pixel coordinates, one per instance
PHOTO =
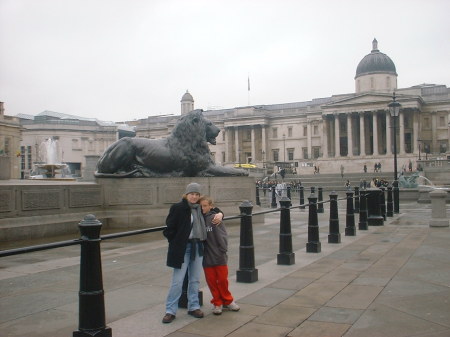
(50, 168)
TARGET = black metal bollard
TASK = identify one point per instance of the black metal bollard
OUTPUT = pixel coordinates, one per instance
(389, 206)
(183, 301)
(289, 195)
(320, 204)
(334, 236)
(374, 217)
(247, 272)
(313, 245)
(285, 256)
(258, 202)
(91, 296)
(356, 199)
(350, 229)
(396, 197)
(274, 199)
(302, 197)
(383, 203)
(362, 225)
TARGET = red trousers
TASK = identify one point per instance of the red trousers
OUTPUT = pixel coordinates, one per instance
(217, 280)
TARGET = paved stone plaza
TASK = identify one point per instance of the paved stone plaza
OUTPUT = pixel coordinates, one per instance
(392, 280)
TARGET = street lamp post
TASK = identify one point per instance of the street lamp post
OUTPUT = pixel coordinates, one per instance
(394, 109)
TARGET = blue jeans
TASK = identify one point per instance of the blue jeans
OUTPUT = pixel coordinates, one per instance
(194, 269)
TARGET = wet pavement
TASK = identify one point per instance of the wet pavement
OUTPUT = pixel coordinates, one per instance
(391, 280)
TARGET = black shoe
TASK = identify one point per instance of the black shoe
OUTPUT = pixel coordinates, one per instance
(197, 313)
(168, 318)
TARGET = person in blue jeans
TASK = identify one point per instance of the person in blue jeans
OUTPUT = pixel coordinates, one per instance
(186, 232)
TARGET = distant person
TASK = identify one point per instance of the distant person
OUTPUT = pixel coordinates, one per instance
(342, 171)
(215, 260)
(410, 165)
(365, 168)
(347, 185)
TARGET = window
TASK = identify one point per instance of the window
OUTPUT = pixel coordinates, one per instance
(248, 134)
(290, 131)
(76, 144)
(223, 157)
(316, 129)
(223, 135)
(443, 146)
(316, 152)
(290, 153)
(372, 83)
(388, 82)
(276, 154)
(29, 157)
(274, 132)
(426, 123)
(442, 121)
(305, 131)
(305, 152)
(7, 149)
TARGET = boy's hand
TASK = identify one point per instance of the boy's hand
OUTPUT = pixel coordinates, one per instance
(217, 218)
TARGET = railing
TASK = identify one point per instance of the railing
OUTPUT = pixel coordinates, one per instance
(91, 294)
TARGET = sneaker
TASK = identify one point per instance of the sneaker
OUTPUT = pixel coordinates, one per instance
(168, 318)
(217, 310)
(233, 306)
(197, 313)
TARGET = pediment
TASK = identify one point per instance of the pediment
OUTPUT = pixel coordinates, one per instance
(360, 99)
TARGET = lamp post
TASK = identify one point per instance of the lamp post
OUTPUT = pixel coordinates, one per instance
(394, 110)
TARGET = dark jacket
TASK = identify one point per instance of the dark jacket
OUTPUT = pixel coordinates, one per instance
(177, 232)
(216, 245)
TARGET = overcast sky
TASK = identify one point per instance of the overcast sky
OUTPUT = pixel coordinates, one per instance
(118, 60)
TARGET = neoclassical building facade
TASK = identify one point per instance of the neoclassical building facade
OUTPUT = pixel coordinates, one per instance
(352, 129)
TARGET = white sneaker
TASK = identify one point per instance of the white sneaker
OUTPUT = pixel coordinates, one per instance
(217, 310)
(233, 306)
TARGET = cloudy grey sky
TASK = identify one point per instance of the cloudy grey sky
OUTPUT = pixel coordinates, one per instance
(121, 60)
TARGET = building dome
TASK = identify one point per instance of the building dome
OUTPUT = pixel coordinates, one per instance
(187, 97)
(375, 63)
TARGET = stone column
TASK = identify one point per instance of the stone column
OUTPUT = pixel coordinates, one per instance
(349, 135)
(227, 145)
(253, 145)
(324, 137)
(337, 145)
(416, 133)
(434, 144)
(263, 139)
(308, 138)
(362, 135)
(375, 133)
(401, 123)
(388, 134)
(236, 142)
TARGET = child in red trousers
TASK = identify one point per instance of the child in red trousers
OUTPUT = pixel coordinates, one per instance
(215, 260)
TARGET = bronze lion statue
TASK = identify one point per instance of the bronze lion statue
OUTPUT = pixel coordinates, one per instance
(184, 153)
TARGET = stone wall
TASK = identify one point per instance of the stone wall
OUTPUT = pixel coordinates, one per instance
(33, 209)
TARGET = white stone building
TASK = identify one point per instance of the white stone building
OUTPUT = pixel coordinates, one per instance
(75, 137)
(352, 129)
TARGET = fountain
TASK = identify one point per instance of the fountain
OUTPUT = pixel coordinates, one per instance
(49, 166)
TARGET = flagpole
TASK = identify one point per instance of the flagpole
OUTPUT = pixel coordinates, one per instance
(248, 87)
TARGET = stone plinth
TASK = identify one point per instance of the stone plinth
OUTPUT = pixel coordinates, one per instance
(33, 209)
(438, 209)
